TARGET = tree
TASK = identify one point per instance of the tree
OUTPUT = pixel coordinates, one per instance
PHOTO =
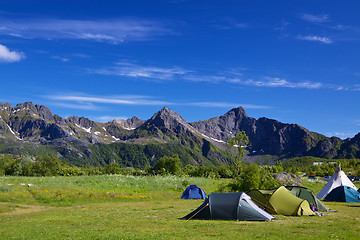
(254, 177)
(46, 166)
(171, 165)
(239, 141)
(113, 168)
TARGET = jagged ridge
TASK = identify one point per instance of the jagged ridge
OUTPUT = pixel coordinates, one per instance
(74, 135)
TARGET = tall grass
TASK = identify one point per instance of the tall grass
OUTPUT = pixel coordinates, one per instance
(74, 190)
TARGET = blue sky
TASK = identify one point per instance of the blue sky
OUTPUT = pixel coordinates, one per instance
(293, 61)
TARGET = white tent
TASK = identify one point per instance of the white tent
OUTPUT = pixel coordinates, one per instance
(338, 179)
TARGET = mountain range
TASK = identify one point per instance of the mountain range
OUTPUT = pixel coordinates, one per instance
(33, 129)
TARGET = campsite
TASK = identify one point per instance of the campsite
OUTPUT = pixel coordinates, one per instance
(145, 207)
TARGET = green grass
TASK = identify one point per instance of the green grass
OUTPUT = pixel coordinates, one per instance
(153, 217)
(67, 191)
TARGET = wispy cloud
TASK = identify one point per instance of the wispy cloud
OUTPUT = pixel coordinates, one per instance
(122, 100)
(108, 118)
(236, 76)
(281, 82)
(62, 59)
(92, 102)
(74, 104)
(259, 82)
(7, 55)
(282, 27)
(126, 69)
(342, 135)
(315, 38)
(110, 31)
(356, 87)
(207, 78)
(315, 18)
(227, 105)
(226, 23)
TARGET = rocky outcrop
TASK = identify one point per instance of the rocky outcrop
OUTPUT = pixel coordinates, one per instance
(32, 122)
(265, 135)
(129, 124)
(169, 123)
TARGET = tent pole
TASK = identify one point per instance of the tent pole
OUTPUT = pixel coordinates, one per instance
(197, 212)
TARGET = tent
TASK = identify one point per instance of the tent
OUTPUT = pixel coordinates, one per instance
(338, 179)
(229, 206)
(306, 194)
(343, 194)
(262, 200)
(193, 192)
(281, 201)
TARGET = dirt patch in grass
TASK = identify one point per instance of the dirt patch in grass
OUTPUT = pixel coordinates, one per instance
(11, 209)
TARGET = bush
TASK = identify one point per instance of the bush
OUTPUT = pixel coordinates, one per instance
(168, 165)
(253, 177)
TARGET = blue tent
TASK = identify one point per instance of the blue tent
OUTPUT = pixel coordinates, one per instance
(193, 192)
(343, 194)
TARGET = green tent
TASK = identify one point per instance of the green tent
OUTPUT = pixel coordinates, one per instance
(229, 206)
(262, 200)
(306, 194)
(281, 201)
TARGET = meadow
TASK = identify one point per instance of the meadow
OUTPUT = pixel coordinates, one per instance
(144, 207)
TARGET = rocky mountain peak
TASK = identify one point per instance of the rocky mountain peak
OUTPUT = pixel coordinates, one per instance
(169, 123)
(5, 106)
(165, 110)
(166, 117)
(238, 112)
(129, 124)
(35, 110)
(32, 122)
(80, 121)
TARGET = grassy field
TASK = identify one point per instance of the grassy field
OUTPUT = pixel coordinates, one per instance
(127, 207)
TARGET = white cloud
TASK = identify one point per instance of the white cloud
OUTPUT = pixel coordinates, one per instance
(75, 105)
(236, 76)
(206, 78)
(122, 100)
(260, 82)
(226, 23)
(91, 102)
(6, 55)
(62, 59)
(316, 18)
(279, 82)
(227, 105)
(109, 118)
(356, 87)
(342, 135)
(126, 69)
(110, 31)
(316, 39)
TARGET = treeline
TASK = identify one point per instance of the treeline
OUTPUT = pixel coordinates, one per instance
(246, 176)
(319, 166)
(50, 165)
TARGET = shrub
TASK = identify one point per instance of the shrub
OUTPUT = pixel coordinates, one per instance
(168, 165)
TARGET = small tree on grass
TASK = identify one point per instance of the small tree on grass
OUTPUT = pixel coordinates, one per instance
(240, 140)
(249, 179)
(254, 177)
(168, 165)
(46, 166)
